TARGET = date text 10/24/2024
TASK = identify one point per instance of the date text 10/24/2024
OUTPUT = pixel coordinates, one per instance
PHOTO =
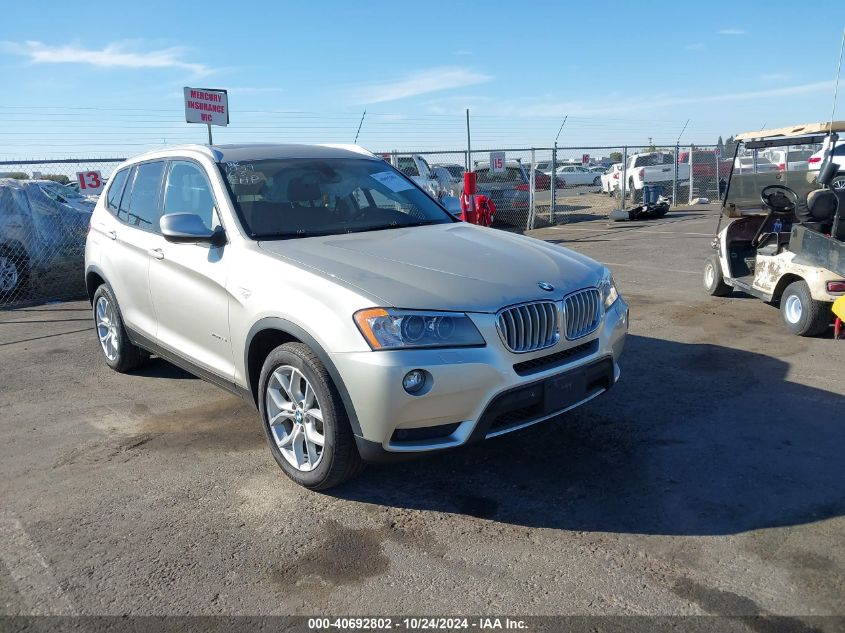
(417, 624)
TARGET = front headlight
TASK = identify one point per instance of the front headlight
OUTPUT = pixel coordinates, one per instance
(401, 329)
(608, 290)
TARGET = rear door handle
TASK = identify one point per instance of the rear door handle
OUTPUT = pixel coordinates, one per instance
(112, 235)
(156, 253)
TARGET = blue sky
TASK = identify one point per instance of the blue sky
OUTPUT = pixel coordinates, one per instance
(107, 79)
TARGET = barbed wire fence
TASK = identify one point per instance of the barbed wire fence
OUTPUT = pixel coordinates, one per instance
(44, 212)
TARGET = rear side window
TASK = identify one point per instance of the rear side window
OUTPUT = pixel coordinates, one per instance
(407, 166)
(116, 190)
(143, 208)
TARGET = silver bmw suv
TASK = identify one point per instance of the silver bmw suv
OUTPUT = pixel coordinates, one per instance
(360, 318)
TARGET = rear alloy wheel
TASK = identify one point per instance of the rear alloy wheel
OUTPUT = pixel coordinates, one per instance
(305, 420)
(120, 353)
(802, 314)
(714, 280)
(838, 181)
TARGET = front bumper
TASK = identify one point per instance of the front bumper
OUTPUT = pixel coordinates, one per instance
(476, 393)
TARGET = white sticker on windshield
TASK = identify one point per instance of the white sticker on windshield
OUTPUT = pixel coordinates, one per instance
(392, 180)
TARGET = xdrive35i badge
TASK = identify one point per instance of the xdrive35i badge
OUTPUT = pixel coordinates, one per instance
(544, 286)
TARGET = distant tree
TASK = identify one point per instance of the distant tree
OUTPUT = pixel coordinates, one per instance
(730, 146)
(59, 178)
(720, 145)
(17, 175)
(616, 157)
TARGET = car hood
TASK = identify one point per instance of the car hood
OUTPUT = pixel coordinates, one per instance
(458, 267)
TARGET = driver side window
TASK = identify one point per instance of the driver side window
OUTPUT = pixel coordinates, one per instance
(188, 191)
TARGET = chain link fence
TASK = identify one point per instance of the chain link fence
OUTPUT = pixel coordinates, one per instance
(45, 210)
(45, 206)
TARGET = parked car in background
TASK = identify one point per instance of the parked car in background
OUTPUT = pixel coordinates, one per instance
(60, 193)
(450, 178)
(599, 169)
(417, 169)
(815, 162)
(705, 165)
(790, 160)
(297, 257)
(610, 178)
(576, 175)
(745, 165)
(653, 169)
(38, 235)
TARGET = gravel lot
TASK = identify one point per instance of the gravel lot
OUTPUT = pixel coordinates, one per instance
(710, 480)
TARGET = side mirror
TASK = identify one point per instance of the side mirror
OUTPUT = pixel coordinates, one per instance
(188, 228)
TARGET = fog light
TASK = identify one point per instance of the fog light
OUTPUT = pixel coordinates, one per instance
(414, 380)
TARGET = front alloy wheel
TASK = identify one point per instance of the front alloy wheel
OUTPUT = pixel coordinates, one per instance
(305, 419)
(295, 418)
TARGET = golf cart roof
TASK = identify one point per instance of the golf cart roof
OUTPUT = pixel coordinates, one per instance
(793, 131)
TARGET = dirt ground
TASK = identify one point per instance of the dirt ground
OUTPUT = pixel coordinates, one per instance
(710, 480)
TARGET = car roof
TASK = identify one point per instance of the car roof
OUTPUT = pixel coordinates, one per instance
(794, 130)
(260, 151)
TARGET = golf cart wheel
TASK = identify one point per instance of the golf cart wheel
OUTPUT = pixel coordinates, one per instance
(714, 281)
(13, 274)
(802, 314)
(838, 181)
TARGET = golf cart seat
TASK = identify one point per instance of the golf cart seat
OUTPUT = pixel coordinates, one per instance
(818, 213)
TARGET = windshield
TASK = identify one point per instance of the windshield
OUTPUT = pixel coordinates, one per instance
(651, 160)
(55, 189)
(284, 198)
(747, 178)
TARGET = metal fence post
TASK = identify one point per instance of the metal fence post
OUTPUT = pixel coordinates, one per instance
(552, 189)
(675, 174)
(718, 189)
(532, 194)
(623, 185)
(690, 175)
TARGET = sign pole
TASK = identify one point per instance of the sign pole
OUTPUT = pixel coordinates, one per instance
(210, 142)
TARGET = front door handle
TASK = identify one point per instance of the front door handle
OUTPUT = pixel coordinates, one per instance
(156, 253)
(112, 235)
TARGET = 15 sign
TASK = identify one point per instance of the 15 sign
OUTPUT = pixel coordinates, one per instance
(497, 163)
(90, 182)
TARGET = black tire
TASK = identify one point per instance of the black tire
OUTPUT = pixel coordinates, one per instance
(813, 317)
(635, 195)
(15, 264)
(128, 356)
(714, 280)
(340, 460)
(838, 182)
(597, 181)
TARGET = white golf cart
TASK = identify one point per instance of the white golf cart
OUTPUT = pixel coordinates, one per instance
(785, 241)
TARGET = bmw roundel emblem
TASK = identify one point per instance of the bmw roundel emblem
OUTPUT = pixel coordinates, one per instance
(545, 286)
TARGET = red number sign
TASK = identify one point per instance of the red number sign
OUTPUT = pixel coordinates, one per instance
(90, 182)
(497, 162)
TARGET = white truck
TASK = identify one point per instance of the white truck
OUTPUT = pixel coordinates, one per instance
(653, 168)
(417, 169)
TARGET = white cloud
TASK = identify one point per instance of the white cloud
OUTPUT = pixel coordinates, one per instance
(115, 55)
(418, 83)
(732, 31)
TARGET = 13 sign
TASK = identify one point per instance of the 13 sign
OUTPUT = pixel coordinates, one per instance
(90, 182)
